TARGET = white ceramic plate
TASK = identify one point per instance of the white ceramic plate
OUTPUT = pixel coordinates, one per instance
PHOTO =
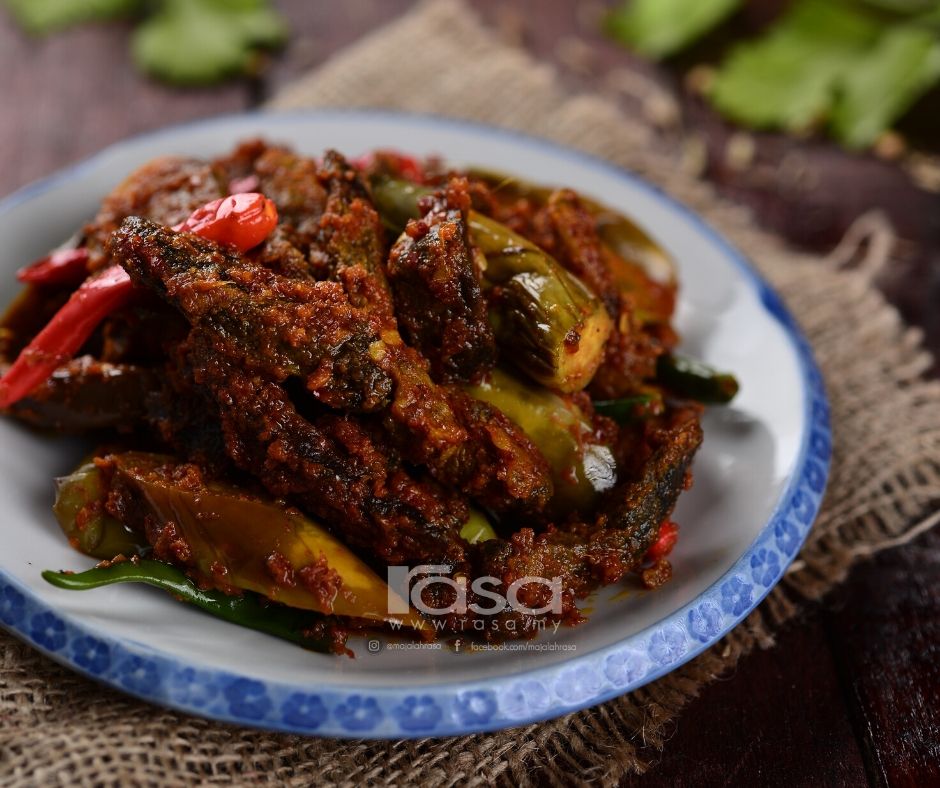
(758, 482)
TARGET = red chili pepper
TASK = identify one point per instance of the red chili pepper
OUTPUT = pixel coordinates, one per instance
(239, 220)
(668, 536)
(68, 330)
(61, 267)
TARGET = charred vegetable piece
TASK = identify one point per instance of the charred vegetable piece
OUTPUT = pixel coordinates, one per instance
(630, 242)
(249, 542)
(695, 380)
(638, 265)
(582, 468)
(629, 409)
(623, 236)
(79, 508)
(247, 610)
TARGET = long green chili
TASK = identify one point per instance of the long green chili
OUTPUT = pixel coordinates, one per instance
(696, 380)
(246, 610)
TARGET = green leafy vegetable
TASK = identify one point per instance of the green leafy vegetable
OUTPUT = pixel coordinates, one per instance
(788, 78)
(852, 67)
(40, 17)
(659, 28)
(930, 19)
(187, 42)
(902, 6)
(902, 66)
(201, 41)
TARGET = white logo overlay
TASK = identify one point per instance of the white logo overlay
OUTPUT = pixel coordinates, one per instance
(403, 594)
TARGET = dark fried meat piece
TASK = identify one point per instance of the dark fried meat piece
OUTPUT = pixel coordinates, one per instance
(286, 327)
(436, 283)
(166, 190)
(578, 246)
(88, 394)
(185, 416)
(464, 443)
(629, 358)
(351, 241)
(142, 333)
(279, 253)
(330, 465)
(282, 327)
(586, 556)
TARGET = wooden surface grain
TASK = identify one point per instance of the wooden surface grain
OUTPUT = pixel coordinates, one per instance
(850, 694)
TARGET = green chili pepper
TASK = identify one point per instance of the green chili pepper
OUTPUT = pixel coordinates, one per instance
(397, 201)
(79, 508)
(247, 610)
(228, 532)
(637, 263)
(582, 468)
(554, 327)
(477, 528)
(695, 380)
(627, 409)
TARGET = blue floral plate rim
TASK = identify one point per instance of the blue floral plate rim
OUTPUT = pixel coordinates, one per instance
(460, 707)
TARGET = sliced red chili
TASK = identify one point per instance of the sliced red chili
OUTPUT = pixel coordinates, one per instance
(61, 267)
(239, 220)
(68, 330)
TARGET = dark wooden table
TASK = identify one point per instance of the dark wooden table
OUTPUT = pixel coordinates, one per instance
(851, 693)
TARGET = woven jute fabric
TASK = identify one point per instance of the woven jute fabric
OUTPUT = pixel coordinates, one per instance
(884, 485)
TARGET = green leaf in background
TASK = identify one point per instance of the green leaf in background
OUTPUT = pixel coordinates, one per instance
(903, 6)
(854, 65)
(788, 78)
(40, 17)
(930, 19)
(904, 63)
(201, 41)
(659, 28)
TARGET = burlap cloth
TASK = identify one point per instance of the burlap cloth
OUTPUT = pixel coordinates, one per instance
(884, 486)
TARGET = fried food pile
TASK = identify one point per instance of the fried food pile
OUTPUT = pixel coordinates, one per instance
(416, 366)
